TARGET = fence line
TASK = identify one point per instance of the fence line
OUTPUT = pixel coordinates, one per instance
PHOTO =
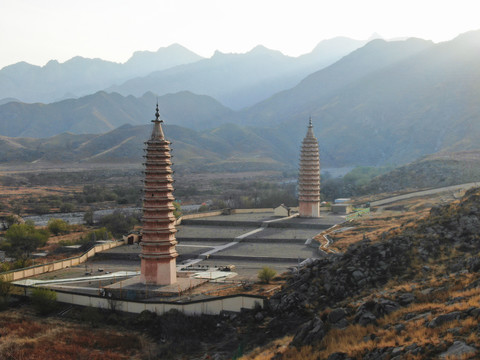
(18, 274)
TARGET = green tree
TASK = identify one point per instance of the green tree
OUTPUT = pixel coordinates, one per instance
(5, 288)
(266, 274)
(67, 207)
(22, 239)
(10, 220)
(118, 223)
(178, 210)
(99, 234)
(57, 226)
(88, 217)
(44, 301)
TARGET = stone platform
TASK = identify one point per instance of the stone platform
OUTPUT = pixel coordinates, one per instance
(135, 289)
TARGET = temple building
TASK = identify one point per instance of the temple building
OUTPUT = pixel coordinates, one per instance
(158, 264)
(309, 176)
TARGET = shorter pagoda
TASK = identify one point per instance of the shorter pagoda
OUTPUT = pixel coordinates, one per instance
(309, 176)
(158, 264)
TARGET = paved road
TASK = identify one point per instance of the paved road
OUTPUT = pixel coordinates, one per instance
(452, 188)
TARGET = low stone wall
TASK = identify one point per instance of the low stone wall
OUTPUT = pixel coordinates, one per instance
(198, 215)
(222, 222)
(199, 239)
(180, 220)
(273, 241)
(211, 306)
(258, 259)
(14, 275)
(249, 211)
(289, 225)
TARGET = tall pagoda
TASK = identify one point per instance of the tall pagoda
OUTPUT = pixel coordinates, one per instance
(309, 176)
(158, 264)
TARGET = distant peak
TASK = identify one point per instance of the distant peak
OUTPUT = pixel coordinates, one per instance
(259, 48)
(52, 63)
(375, 36)
(218, 53)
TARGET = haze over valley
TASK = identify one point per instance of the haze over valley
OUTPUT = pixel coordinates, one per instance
(364, 101)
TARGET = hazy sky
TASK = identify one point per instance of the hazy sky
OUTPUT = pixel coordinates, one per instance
(39, 30)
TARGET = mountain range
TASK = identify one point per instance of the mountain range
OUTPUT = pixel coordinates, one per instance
(102, 112)
(240, 80)
(387, 102)
(236, 80)
(225, 148)
(80, 76)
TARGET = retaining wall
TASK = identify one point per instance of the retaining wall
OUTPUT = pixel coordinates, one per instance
(212, 306)
(59, 264)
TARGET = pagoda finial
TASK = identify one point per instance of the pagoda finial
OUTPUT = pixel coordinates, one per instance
(157, 114)
(157, 133)
(310, 128)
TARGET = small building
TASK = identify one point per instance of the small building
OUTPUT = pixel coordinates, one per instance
(282, 210)
(342, 208)
(342, 200)
(2, 256)
(133, 237)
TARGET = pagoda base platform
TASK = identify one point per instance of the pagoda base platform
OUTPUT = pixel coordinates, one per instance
(133, 288)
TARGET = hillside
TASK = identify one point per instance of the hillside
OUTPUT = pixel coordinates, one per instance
(102, 112)
(433, 171)
(387, 102)
(225, 148)
(411, 293)
(80, 76)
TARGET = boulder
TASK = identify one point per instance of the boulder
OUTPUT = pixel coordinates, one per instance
(365, 317)
(442, 319)
(405, 299)
(336, 315)
(338, 356)
(310, 333)
(458, 350)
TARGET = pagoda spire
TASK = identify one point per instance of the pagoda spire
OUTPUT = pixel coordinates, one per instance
(309, 176)
(158, 264)
(157, 132)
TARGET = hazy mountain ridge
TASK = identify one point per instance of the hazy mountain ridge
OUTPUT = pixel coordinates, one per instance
(239, 80)
(228, 147)
(80, 76)
(418, 100)
(102, 112)
(385, 103)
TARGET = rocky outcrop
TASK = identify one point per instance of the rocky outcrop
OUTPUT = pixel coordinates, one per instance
(366, 265)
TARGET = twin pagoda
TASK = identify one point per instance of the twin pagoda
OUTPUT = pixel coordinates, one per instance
(309, 176)
(158, 255)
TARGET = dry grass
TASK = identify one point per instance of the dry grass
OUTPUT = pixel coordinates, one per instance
(355, 340)
(278, 346)
(10, 195)
(24, 336)
(385, 219)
